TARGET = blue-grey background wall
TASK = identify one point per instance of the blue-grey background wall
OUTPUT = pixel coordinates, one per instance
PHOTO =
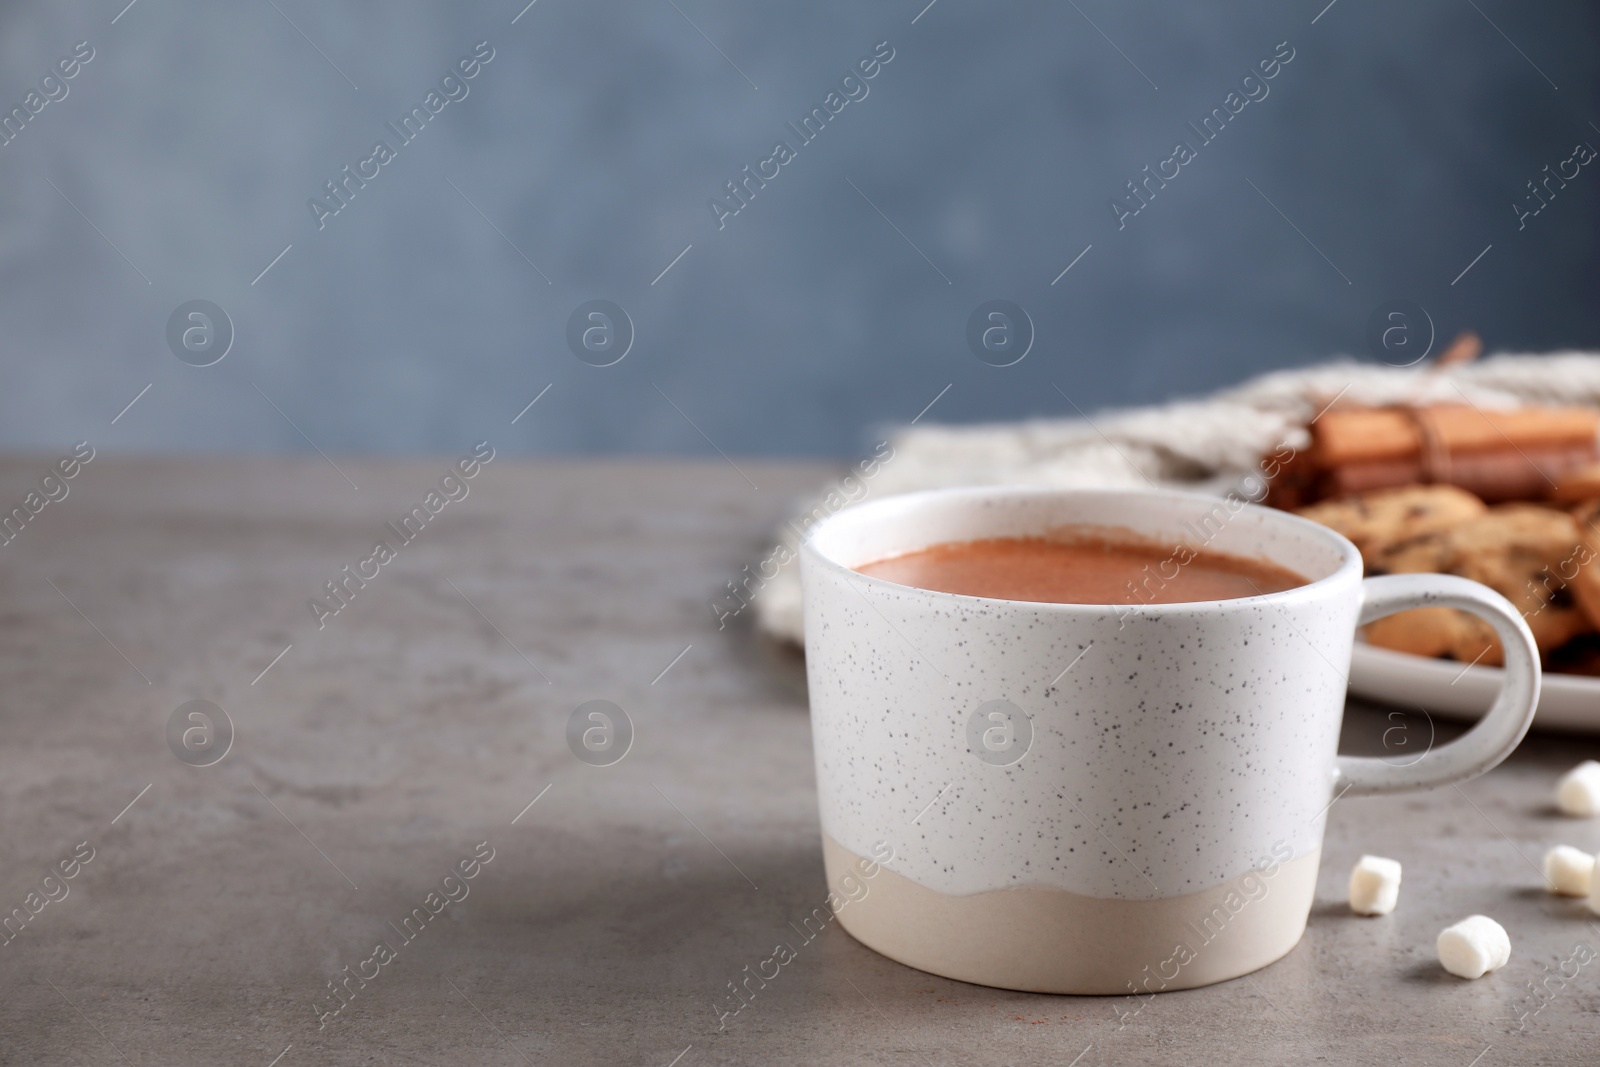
(981, 162)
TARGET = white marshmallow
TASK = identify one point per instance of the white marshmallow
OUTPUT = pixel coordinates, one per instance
(1594, 891)
(1374, 885)
(1473, 947)
(1568, 871)
(1578, 791)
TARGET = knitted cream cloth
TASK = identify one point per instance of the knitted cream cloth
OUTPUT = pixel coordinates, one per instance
(1205, 444)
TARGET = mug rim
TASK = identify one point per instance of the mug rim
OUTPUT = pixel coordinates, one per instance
(1350, 565)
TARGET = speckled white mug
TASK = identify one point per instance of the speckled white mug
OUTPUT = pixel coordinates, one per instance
(1101, 799)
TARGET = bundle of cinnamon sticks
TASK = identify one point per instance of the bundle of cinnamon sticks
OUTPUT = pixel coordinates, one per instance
(1498, 455)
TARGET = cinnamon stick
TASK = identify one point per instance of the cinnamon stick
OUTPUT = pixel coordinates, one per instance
(1390, 434)
(1467, 347)
(1493, 476)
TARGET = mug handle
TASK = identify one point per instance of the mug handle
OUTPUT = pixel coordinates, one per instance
(1494, 736)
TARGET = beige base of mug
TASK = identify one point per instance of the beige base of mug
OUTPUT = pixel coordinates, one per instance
(1052, 941)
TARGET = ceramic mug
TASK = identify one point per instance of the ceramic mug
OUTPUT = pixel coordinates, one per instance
(1102, 798)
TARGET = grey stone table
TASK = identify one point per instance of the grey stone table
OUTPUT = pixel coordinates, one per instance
(424, 718)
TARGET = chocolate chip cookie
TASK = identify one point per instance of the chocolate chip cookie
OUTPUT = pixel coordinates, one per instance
(1377, 520)
(1527, 553)
(1586, 584)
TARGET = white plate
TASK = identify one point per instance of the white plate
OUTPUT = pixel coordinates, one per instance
(1566, 701)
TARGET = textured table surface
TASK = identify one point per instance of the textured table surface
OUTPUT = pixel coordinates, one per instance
(422, 719)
